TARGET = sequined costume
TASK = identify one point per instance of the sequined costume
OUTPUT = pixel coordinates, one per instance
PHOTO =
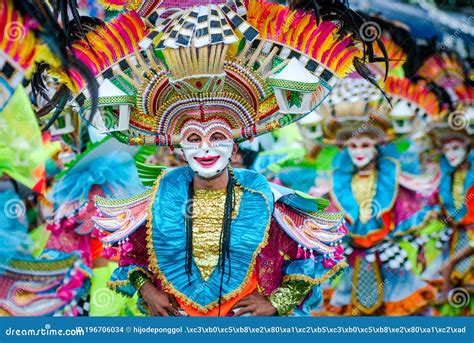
(447, 73)
(223, 68)
(262, 258)
(379, 216)
(456, 195)
(456, 184)
(384, 207)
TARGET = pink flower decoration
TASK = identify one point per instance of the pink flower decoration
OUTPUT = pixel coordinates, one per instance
(328, 263)
(53, 227)
(109, 252)
(64, 293)
(69, 223)
(97, 233)
(76, 281)
(127, 247)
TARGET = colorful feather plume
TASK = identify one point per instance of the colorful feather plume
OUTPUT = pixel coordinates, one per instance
(300, 30)
(465, 93)
(19, 41)
(416, 93)
(443, 68)
(108, 44)
(113, 5)
(396, 54)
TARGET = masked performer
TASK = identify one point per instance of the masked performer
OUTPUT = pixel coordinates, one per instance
(209, 240)
(381, 207)
(453, 134)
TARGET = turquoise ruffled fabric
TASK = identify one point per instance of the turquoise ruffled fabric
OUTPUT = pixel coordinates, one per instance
(169, 238)
(13, 228)
(445, 187)
(116, 173)
(385, 192)
(298, 178)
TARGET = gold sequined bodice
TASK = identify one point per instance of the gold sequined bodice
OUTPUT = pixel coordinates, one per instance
(458, 187)
(208, 214)
(363, 188)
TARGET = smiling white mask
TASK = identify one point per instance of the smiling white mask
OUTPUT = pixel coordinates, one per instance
(207, 149)
(455, 152)
(208, 160)
(362, 150)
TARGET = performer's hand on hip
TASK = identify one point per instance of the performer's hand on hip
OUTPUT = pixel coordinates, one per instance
(256, 305)
(158, 301)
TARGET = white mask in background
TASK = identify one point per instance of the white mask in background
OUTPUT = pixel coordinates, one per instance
(455, 152)
(206, 155)
(362, 150)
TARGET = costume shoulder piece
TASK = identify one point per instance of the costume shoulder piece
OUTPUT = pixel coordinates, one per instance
(53, 283)
(120, 217)
(303, 219)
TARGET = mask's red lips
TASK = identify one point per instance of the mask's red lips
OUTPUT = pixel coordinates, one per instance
(207, 161)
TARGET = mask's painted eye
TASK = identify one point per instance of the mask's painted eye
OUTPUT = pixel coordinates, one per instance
(352, 145)
(365, 145)
(194, 138)
(217, 136)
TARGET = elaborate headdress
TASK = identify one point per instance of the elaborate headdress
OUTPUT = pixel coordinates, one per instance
(464, 94)
(212, 66)
(33, 41)
(354, 107)
(413, 98)
(457, 124)
(444, 68)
